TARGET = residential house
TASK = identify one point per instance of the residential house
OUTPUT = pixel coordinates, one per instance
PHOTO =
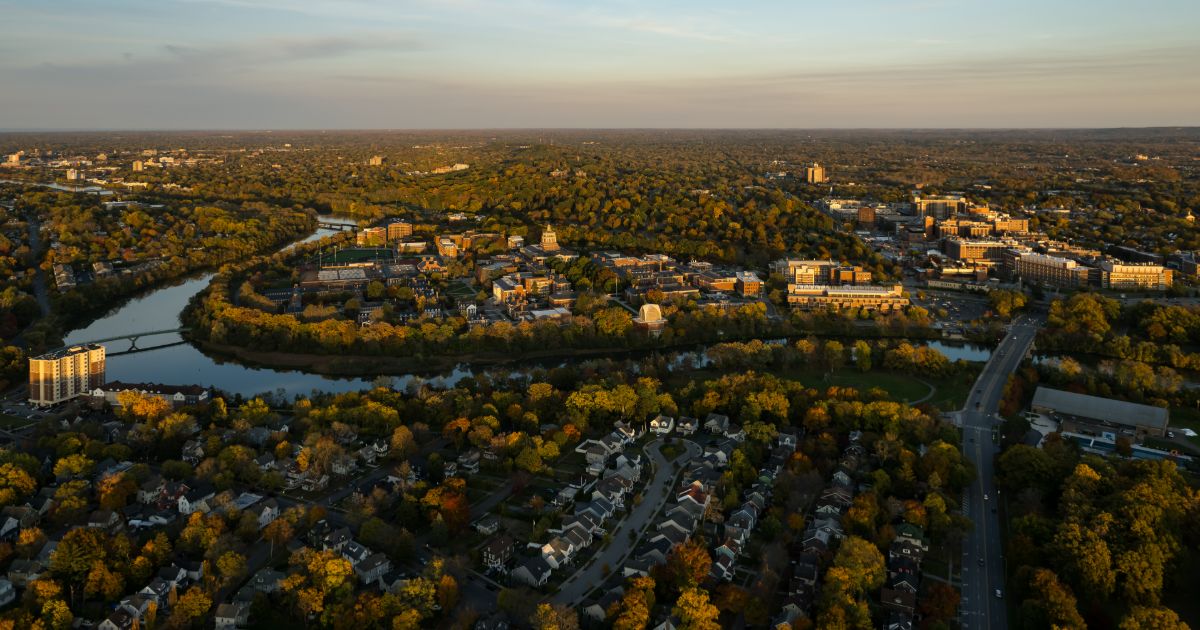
(196, 499)
(534, 572)
(373, 568)
(266, 512)
(716, 423)
(488, 525)
(662, 425)
(687, 426)
(232, 615)
(497, 552)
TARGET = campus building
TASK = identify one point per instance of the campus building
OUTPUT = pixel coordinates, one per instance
(1093, 415)
(939, 206)
(64, 374)
(397, 230)
(1050, 270)
(820, 272)
(874, 298)
(975, 251)
(1134, 276)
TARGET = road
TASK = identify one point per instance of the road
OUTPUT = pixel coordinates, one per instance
(983, 552)
(39, 279)
(658, 492)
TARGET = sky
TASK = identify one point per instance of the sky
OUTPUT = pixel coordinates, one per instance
(455, 64)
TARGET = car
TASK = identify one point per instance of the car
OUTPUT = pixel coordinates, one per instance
(981, 561)
(985, 497)
(999, 594)
(1171, 434)
(977, 405)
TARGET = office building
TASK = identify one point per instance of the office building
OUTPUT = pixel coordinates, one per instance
(820, 272)
(748, 284)
(377, 160)
(815, 174)
(939, 206)
(1134, 276)
(866, 216)
(1050, 270)
(64, 374)
(975, 251)
(138, 166)
(397, 230)
(874, 298)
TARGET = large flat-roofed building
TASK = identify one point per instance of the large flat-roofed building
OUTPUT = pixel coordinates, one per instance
(371, 236)
(940, 206)
(1081, 413)
(820, 272)
(875, 298)
(815, 174)
(1050, 270)
(64, 374)
(974, 251)
(1134, 276)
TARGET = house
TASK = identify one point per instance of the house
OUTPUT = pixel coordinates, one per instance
(788, 439)
(267, 581)
(533, 572)
(898, 601)
(716, 423)
(193, 451)
(736, 433)
(150, 490)
(662, 425)
(558, 552)
(565, 495)
(355, 552)
(596, 454)
(173, 575)
(488, 525)
(234, 615)
(600, 509)
(337, 539)
(266, 512)
(626, 431)
(722, 568)
(597, 611)
(15, 518)
(106, 520)
(22, 571)
(372, 568)
(265, 462)
(158, 590)
(497, 552)
(196, 499)
(119, 620)
(610, 489)
(469, 461)
(585, 522)
(687, 426)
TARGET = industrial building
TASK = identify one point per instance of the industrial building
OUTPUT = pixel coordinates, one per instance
(1093, 415)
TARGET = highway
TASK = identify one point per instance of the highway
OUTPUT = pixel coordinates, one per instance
(983, 551)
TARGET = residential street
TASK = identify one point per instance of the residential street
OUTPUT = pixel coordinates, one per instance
(658, 493)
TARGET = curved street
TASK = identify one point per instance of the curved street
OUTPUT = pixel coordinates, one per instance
(658, 492)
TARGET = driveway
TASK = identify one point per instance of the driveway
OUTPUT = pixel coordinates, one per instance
(658, 492)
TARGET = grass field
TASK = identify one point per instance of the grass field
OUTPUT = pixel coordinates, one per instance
(460, 290)
(358, 254)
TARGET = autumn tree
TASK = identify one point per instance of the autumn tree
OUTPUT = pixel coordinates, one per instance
(694, 610)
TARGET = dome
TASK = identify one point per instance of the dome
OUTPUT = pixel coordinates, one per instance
(650, 314)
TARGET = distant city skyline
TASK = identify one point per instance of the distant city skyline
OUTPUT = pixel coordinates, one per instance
(440, 64)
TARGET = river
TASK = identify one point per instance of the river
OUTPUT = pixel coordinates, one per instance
(183, 364)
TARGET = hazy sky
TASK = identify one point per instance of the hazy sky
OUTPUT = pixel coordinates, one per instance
(194, 64)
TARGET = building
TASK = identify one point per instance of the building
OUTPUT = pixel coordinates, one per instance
(397, 230)
(820, 272)
(650, 317)
(176, 395)
(875, 298)
(1050, 270)
(138, 166)
(815, 174)
(748, 284)
(939, 206)
(1081, 413)
(1134, 276)
(376, 160)
(866, 215)
(975, 251)
(549, 240)
(371, 236)
(64, 374)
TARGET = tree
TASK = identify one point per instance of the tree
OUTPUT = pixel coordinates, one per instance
(940, 602)
(695, 612)
(632, 611)
(862, 355)
(687, 565)
(555, 617)
(232, 566)
(404, 445)
(864, 566)
(15, 484)
(192, 605)
(278, 532)
(73, 466)
(103, 582)
(1152, 618)
(1052, 603)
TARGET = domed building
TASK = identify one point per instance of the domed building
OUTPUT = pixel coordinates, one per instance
(650, 317)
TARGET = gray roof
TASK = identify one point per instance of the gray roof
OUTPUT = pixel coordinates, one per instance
(1103, 409)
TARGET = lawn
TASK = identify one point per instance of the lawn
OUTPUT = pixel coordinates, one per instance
(360, 254)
